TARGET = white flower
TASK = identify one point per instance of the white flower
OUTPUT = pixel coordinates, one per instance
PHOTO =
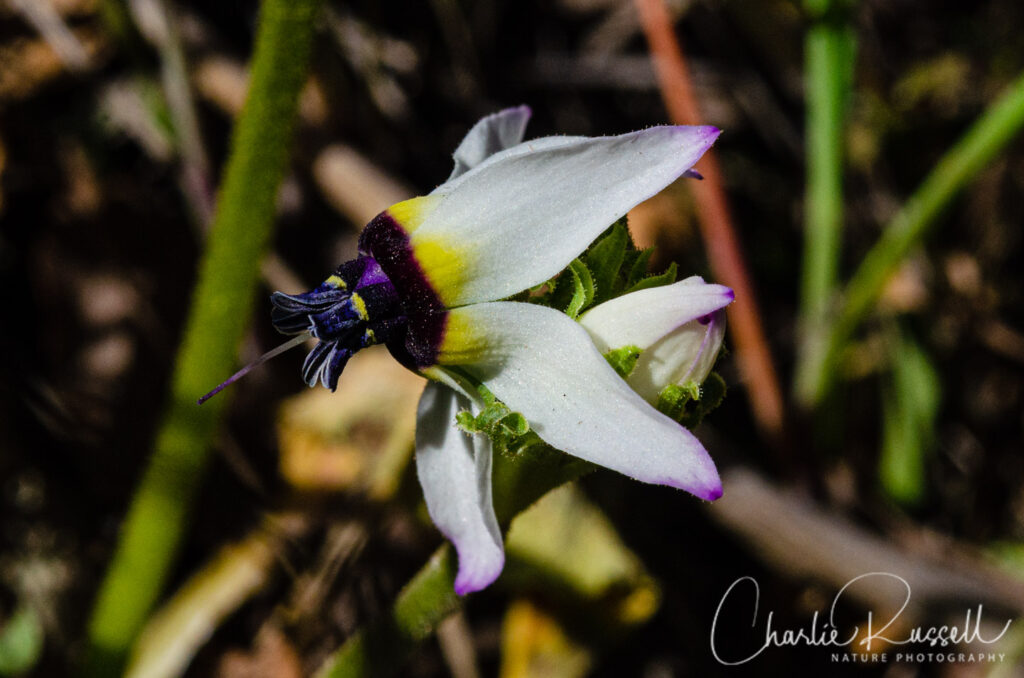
(429, 282)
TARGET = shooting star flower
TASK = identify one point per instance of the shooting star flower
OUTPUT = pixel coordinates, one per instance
(431, 282)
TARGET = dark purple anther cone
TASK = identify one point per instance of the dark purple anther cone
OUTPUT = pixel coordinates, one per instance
(354, 308)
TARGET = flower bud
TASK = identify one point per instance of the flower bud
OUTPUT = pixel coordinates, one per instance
(677, 328)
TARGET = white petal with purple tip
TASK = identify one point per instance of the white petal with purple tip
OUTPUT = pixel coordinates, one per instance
(454, 470)
(545, 366)
(521, 216)
(644, 317)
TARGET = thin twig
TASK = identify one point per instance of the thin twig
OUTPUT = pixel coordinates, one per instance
(351, 183)
(720, 238)
(456, 642)
(158, 24)
(47, 21)
(800, 540)
(241, 569)
(354, 185)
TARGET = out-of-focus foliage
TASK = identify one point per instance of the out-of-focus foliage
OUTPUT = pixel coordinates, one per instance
(21, 642)
(910, 405)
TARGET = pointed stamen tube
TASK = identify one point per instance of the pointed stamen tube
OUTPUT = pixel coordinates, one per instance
(272, 353)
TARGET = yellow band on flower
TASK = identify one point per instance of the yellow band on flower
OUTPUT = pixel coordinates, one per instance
(463, 343)
(444, 265)
(409, 214)
(442, 261)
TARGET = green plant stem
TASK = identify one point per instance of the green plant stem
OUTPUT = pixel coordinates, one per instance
(383, 648)
(911, 395)
(986, 138)
(829, 58)
(219, 314)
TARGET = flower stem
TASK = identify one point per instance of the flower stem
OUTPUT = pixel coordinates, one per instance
(986, 138)
(382, 649)
(220, 311)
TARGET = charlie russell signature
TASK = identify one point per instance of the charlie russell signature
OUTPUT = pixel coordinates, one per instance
(827, 633)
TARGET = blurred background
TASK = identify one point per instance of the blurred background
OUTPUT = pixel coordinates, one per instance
(115, 119)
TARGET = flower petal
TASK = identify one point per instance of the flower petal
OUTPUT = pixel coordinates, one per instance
(494, 133)
(531, 146)
(521, 216)
(545, 366)
(679, 328)
(643, 318)
(455, 472)
(697, 341)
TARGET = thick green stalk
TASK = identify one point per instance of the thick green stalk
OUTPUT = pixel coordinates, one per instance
(829, 58)
(220, 312)
(987, 137)
(382, 649)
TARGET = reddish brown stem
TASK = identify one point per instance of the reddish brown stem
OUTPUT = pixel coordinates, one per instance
(720, 239)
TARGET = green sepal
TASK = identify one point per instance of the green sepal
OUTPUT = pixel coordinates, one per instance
(574, 290)
(538, 294)
(490, 416)
(623, 360)
(466, 421)
(509, 431)
(583, 288)
(484, 392)
(689, 403)
(610, 267)
(673, 399)
(712, 393)
(604, 259)
(666, 278)
(515, 424)
(638, 265)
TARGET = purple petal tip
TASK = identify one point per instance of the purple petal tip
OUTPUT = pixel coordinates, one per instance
(467, 585)
(475, 576)
(731, 295)
(707, 135)
(521, 110)
(713, 494)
